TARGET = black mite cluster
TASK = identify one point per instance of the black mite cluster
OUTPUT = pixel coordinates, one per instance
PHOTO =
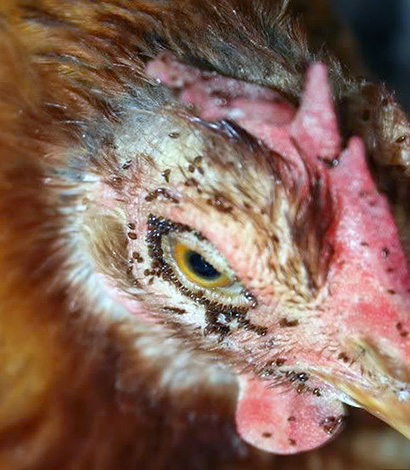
(157, 228)
(300, 378)
(331, 423)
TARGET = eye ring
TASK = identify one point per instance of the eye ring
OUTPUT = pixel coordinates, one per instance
(197, 268)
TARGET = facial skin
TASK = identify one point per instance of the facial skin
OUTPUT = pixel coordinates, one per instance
(292, 297)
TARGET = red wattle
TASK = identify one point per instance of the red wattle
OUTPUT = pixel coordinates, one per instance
(283, 421)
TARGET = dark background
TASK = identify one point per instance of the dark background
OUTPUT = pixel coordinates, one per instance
(382, 28)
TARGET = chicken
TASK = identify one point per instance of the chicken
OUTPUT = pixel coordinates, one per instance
(200, 264)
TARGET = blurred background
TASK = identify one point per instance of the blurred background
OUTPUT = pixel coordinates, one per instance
(382, 28)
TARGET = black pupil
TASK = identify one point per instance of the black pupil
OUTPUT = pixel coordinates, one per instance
(200, 266)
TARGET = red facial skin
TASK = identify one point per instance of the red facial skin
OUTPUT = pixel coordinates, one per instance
(365, 296)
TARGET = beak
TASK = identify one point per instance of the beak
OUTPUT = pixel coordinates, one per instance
(388, 406)
(385, 392)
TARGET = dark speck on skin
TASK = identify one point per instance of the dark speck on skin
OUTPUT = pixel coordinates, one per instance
(402, 332)
(333, 163)
(163, 192)
(116, 181)
(179, 311)
(343, 356)
(165, 174)
(136, 256)
(300, 388)
(331, 423)
(286, 323)
(220, 204)
(191, 182)
(126, 165)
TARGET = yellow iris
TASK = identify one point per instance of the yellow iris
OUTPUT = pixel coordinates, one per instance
(197, 269)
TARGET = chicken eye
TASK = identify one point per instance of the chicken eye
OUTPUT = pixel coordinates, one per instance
(197, 268)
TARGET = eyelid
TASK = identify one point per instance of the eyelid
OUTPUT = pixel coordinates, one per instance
(204, 248)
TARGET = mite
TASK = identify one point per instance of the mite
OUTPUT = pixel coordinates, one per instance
(203, 251)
